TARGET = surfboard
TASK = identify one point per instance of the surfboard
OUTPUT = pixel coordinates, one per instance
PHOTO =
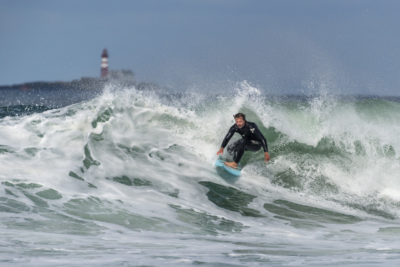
(220, 163)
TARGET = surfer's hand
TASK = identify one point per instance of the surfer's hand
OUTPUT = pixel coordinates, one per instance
(220, 151)
(266, 156)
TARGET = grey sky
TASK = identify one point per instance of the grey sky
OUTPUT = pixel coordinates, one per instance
(343, 46)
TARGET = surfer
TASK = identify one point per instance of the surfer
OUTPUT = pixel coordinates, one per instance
(252, 140)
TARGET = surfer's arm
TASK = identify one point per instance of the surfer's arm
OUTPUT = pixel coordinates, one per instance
(264, 143)
(228, 136)
(261, 138)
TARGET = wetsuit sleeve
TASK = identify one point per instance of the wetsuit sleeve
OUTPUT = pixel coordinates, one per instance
(228, 136)
(261, 138)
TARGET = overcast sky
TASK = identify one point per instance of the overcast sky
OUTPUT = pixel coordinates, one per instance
(343, 46)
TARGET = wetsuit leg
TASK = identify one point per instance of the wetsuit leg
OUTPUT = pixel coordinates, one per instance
(252, 146)
(241, 146)
(233, 147)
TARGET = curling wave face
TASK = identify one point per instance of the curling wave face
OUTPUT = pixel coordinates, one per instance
(130, 173)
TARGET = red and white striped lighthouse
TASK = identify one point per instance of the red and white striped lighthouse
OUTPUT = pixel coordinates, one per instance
(104, 64)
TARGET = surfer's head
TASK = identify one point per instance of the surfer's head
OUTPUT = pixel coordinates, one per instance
(240, 119)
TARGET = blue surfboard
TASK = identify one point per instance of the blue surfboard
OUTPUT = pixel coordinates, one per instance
(220, 163)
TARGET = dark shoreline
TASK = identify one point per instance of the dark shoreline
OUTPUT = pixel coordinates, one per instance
(31, 97)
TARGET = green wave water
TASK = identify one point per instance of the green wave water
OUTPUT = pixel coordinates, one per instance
(128, 179)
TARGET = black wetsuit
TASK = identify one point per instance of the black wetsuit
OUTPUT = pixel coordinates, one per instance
(252, 139)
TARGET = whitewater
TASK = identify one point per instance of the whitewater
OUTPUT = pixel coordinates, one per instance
(128, 179)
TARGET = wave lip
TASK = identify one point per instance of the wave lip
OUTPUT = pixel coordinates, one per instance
(134, 164)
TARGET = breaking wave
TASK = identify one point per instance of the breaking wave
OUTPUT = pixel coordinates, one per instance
(139, 164)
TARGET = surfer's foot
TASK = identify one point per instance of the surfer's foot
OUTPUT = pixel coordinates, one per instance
(231, 164)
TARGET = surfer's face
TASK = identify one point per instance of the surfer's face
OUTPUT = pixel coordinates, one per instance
(239, 122)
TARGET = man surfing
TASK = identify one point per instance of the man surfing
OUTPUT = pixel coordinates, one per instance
(252, 140)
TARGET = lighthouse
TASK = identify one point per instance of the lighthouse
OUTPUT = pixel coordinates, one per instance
(104, 64)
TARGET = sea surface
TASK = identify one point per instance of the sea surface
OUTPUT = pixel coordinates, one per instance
(127, 178)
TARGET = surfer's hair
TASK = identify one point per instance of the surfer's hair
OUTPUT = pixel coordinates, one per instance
(240, 115)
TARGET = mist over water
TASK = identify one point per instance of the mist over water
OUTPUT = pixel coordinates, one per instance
(128, 178)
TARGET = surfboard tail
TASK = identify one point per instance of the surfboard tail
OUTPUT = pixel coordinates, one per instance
(220, 163)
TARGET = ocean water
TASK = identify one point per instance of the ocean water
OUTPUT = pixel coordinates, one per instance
(127, 178)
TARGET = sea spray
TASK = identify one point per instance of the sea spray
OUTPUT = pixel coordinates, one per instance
(128, 177)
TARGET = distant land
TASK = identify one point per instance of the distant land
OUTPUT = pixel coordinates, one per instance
(62, 93)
